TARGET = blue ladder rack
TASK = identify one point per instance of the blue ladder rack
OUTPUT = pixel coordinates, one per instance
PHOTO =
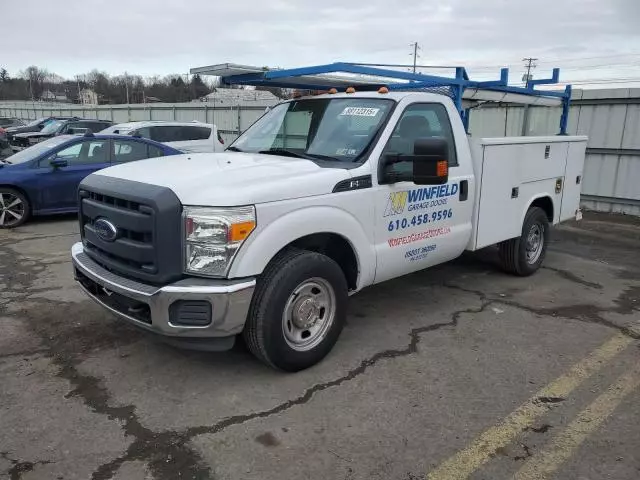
(371, 77)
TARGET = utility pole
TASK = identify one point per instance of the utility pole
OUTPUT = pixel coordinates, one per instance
(416, 47)
(526, 78)
(78, 84)
(529, 64)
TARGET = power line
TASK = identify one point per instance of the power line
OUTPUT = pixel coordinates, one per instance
(556, 62)
(604, 81)
(634, 54)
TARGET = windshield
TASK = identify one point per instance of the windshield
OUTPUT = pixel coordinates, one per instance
(52, 127)
(35, 150)
(324, 128)
(35, 122)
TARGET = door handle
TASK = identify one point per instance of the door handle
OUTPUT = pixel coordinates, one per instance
(464, 190)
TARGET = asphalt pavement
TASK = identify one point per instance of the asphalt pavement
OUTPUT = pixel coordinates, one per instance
(459, 371)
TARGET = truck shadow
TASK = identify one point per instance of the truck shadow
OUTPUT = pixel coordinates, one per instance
(380, 299)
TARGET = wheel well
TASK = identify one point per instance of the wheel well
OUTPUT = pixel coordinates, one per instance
(546, 204)
(21, 190)
(335, 247)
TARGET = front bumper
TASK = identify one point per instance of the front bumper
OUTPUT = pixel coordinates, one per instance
(152, 308)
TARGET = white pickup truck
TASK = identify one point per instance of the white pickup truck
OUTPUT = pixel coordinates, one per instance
(320, 198)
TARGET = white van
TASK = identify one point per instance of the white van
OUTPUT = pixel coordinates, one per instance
(189, 137)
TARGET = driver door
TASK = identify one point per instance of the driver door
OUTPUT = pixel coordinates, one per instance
(58, 185)
(418, 226)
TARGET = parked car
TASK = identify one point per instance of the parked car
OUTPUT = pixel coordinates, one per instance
(34, 126)
(21, 141)
(44, 178)
(189, 137)
(4, 143)
(6, 122)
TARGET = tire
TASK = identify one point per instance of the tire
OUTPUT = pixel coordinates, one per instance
(524, 255)
(297, 286)
(14, 208)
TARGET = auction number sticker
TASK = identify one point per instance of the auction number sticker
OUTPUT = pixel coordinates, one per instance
(360, 112)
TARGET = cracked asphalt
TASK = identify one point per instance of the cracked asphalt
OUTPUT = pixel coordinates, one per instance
(427, 365)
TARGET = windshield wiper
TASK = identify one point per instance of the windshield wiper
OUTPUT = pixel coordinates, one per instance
(234, 149)
(288, 153)
(324, 157)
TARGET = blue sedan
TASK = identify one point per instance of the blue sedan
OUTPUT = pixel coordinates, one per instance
(44, 178)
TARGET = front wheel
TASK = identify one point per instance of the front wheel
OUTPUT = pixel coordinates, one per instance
(14, 208)
(297, 311)
(524, 255)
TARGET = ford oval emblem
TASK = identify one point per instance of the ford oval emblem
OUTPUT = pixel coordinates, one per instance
(106, 230)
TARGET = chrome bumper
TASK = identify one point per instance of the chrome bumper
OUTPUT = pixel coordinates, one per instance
(229, 300)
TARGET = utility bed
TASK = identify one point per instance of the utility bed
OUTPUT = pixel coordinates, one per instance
(513, 172)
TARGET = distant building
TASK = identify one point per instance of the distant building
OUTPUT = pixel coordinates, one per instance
(49, 96)
(88, 97)
(240, 95)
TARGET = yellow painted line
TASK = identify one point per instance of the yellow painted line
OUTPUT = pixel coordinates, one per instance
(484, 447)
(563, 445)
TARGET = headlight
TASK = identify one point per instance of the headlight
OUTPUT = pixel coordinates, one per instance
(213, 236)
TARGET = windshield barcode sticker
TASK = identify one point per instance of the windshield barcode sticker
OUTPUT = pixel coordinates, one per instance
(360, 111)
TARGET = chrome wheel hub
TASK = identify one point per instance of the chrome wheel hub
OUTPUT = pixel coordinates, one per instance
(308, 314)
(535, 242)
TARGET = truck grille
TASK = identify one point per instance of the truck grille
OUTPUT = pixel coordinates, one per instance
(147, 222)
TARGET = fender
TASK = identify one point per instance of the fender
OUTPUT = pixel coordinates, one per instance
(273, 236)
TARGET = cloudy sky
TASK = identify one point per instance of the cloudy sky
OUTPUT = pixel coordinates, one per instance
(590, 39)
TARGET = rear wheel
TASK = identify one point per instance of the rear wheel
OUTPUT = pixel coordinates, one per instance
(524, 255)
(14, 208)
(298, 310)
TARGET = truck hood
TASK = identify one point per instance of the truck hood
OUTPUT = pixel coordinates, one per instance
(22, 129)
(32, 135)
(228, 179)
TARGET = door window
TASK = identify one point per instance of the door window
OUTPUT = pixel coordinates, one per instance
(194, 133)
(81, 153)
(97, 152)
(128, 151)
(168, 133)
(144, 132)
(420, 120)
(176, 133)
(154, 151)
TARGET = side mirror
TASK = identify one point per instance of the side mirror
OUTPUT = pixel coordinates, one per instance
(430, 161)
(58, 163)
(428, 165)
